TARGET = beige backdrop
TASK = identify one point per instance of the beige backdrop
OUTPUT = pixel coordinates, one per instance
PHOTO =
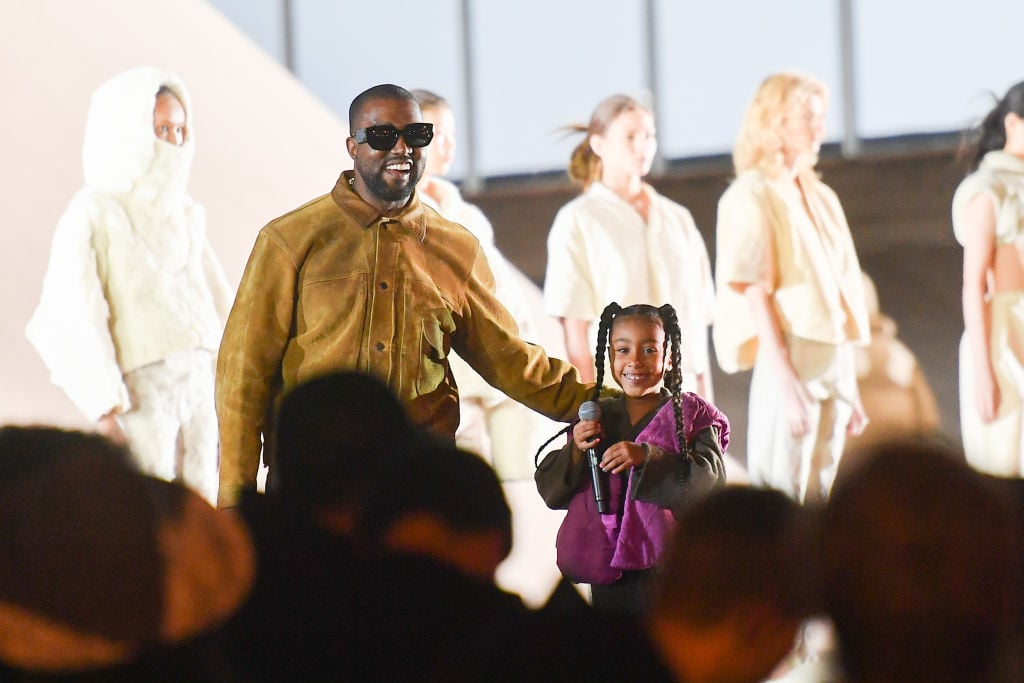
(264, 145)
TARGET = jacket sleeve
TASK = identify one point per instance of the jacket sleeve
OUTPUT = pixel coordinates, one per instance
(671, 479)
(569, 290)
(249, 363)
(557, 478)
(488, 339)
(70, 327)
(743, 255)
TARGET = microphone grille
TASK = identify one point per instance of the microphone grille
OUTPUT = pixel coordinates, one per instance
(590, 410)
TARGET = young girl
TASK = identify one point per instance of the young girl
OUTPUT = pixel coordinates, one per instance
(658, 447)
(988, 219)
(622, 241)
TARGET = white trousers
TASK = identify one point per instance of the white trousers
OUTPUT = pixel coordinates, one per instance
(172, 424)
(801, 467)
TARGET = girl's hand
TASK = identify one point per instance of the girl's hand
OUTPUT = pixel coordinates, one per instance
(621, 456)
(587, 434)
(987, 397)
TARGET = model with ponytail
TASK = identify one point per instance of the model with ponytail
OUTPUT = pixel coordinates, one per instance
(622, 240)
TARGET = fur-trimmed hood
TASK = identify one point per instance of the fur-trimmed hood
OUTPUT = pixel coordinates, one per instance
(121, 153)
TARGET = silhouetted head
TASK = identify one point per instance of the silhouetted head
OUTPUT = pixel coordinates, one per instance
(333, 435)
(919, 557)
(738, 580)
(444, 502)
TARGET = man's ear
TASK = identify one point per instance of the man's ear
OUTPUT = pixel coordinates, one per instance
(351, 145)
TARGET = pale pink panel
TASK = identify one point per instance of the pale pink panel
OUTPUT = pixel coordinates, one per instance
(264, 145)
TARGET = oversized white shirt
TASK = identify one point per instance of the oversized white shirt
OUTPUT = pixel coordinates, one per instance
(600, 250)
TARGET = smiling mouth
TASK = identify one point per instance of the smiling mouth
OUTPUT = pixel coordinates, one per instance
(633, 377)
(400, 167)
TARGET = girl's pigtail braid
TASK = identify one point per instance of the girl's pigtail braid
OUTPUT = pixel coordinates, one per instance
(536, 456)
(674, 377)
(607, 316)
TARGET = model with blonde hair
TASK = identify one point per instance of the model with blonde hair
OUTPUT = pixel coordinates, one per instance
(791, 301)
(623, 241)
(988, 219)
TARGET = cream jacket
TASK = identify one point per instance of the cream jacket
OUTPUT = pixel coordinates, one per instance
(810, 268)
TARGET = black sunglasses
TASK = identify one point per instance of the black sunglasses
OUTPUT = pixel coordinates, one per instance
(385, 136)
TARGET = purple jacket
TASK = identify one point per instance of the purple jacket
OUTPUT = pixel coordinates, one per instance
(595, 548)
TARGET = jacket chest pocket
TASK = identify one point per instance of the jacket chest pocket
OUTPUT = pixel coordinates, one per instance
(436, 330)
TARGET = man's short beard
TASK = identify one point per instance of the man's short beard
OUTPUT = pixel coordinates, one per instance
(379, 188)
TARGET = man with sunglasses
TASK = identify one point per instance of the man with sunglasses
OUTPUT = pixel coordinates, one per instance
(368, 278)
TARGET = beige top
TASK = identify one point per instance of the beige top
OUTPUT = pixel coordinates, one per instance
(809, 266)
(1001, 176)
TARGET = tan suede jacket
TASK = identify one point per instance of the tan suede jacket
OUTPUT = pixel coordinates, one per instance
(334, 285)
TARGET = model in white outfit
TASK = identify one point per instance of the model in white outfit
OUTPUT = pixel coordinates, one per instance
(791, 301)
(134, 299)
(988, 220)
(501, 430)
(621, 241)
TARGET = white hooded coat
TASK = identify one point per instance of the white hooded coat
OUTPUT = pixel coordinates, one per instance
(132, 278)
(134, 300)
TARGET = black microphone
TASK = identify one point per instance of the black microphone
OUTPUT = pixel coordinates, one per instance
(589, 410)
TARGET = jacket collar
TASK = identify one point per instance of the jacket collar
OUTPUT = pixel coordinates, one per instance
(412, 219)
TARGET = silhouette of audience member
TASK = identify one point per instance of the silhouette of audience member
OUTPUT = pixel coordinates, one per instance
(442, 502)
(435, 531)
(920, 567)
(333, 436)
(108, 574)
(377, 550)
(737, 583)
(893, 389)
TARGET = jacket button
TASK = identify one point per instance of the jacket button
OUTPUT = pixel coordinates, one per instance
(380, 346)
(383, 285)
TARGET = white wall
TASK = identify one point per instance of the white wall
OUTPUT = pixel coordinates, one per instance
(919, 66)
(929, 66)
